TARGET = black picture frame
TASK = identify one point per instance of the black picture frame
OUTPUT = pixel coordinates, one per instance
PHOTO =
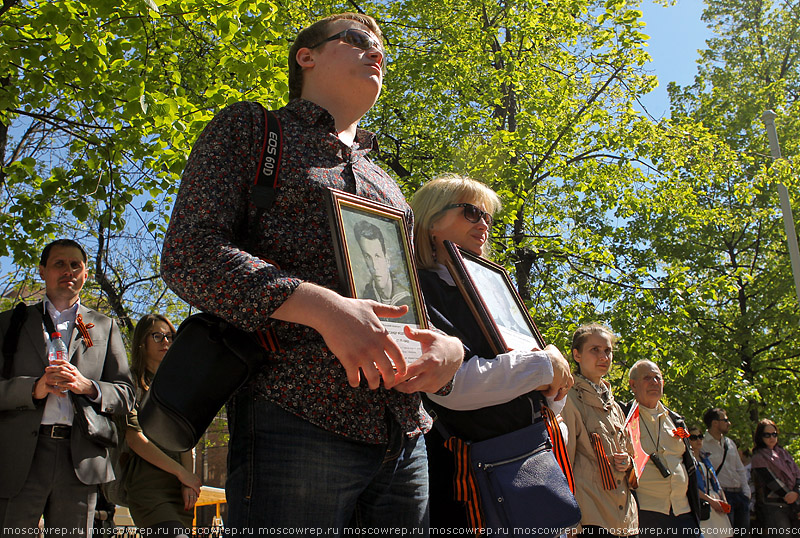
(373, 253)
(493, 300)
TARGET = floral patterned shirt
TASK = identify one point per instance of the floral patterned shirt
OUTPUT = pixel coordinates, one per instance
(224, 256)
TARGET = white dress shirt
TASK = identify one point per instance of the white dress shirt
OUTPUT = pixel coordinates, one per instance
(733, 475)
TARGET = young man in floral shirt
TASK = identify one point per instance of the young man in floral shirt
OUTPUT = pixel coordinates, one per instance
(328, 433)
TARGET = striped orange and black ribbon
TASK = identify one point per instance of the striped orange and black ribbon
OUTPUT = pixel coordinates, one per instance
(559, 446)
(605, 468)
(268, 339)
(84, 330)
(466, 488)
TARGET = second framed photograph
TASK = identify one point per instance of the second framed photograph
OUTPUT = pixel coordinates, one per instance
(375, 261)
(494, 301)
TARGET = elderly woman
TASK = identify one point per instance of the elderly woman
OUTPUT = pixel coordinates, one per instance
(161, 485)
(776, 478)
(599, 447)
(491, 395)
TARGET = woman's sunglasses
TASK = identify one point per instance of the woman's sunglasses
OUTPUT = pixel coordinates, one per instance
(694, 437)
(767, 435)
(355, 37)
(473, 213)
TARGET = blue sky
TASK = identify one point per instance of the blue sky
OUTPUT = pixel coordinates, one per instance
(676, 34)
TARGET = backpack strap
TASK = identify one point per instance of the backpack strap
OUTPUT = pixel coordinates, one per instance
(267, 180)
(18, 317)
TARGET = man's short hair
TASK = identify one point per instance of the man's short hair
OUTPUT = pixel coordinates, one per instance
(317, 32)
(61, 243)
(633, 373)
(367, 230)
(711, 415)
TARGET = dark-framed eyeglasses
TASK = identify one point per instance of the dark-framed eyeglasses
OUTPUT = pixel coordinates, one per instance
(358, 38)
(767, 435)
(160, 337)
(473, 213)
(695, 437)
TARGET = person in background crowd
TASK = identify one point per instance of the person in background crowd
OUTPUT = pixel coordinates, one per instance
(776, 478)
(335, 405)
(491, 395)
(724, 456)
(161, 486)
(667, 493)
(48, 466)
(599, 445)
(717, 522)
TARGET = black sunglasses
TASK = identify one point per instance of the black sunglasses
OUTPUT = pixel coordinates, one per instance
(357, 38)
(693, 437)
(473, 213)
(765, 435)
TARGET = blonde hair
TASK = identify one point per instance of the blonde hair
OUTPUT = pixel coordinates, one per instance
(431, 199)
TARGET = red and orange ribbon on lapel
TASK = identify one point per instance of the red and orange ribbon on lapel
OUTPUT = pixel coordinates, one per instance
(84, 330)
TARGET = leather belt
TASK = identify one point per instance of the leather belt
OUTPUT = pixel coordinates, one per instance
(55, 431)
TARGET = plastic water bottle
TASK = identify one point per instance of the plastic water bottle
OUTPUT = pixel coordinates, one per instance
(56, 350)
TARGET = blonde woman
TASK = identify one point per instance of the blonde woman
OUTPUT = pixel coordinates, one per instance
(491, 395)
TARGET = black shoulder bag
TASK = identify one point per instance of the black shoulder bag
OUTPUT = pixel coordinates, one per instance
(210, 358)
(11, 338)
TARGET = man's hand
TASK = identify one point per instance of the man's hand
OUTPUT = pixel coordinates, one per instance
(63, 376)
(441, 357)
(351, 330)
(361, 343)
(562, 377)
(791, 497)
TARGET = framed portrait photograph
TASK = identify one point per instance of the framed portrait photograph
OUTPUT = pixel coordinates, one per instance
(494, 301)
(375, 261)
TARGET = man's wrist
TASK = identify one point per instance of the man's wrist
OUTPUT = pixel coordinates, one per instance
(33, 390)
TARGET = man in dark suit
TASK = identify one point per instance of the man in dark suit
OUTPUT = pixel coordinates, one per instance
(47, 466)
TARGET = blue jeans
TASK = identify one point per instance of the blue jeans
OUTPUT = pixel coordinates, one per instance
(286, 473)
(740, 511)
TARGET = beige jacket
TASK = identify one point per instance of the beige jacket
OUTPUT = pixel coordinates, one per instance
(584, 414)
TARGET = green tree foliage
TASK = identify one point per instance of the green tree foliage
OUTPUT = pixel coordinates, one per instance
(100, 103)
(537, 99)
(731, 337)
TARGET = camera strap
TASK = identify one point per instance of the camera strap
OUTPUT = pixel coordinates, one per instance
(650, 435)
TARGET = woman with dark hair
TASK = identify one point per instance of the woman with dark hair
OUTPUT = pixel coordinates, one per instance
(776, 478)
(599, 447)
(162, 488)
(717, 523)
(491, 394)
